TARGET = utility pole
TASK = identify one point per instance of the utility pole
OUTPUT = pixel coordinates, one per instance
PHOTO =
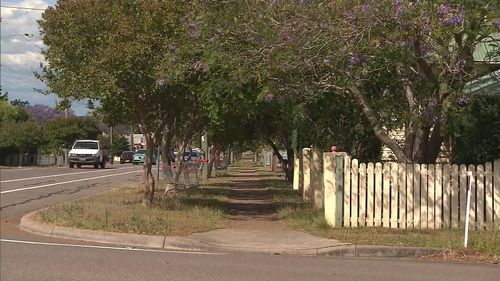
(131, 138)
(111, 156)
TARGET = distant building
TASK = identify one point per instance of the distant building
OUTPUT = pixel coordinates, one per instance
(139, 141)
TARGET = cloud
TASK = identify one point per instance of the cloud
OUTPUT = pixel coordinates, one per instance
(21, 55)
(28, 58)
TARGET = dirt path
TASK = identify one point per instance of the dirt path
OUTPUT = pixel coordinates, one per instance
(250, 203)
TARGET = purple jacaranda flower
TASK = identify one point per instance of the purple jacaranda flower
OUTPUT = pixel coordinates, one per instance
(367, 9)
(451, 16)
(349, 15)
(161, 82)
(327, 61)
(458, 66)
(269, 97)
(443, 10)
(407, 42)
(463, 101)
(354, 59)
(426, 23)
(455, 20)
(172, 48)
(192, 28)
(433, 103)
(398, 9)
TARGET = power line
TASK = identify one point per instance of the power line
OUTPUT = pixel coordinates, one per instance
(23, 8)
(17, 32)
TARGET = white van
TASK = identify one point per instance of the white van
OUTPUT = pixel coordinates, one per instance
(87, 152)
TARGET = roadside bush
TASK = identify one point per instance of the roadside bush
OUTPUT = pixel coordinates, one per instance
(474, 124)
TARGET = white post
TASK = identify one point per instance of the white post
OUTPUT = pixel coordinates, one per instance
(467, 210)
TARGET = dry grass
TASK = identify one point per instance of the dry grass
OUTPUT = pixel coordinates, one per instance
(300, 216)
(120, 210)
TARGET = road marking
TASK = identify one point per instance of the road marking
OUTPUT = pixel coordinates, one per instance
(60, 175)
(65, 182)
(107, 247)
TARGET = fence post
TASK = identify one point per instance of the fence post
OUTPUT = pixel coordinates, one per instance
(496, 193)
(346, 178)
(333, 182)
(317, 193)
(306, 165)
(488, 186)
(297, 167)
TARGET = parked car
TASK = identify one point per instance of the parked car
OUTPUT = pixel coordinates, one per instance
(192, 156)
(127, 157)
(87, 152)
(140, 156)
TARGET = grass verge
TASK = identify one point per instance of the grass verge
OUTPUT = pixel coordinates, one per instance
(300, 216)
(189, 211)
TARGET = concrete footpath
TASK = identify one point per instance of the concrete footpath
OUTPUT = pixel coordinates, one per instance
(228, 240)
(254, 227)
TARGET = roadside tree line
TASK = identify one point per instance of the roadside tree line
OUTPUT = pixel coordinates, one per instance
(42, 130)
(285, 73)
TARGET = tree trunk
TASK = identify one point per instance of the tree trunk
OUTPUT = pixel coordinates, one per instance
(167, 163)
(290, 164)
(148, 178)
(275, 149)
(434, 144)
(377, 127)
(418, 147)
(211, 160)
(181, 147)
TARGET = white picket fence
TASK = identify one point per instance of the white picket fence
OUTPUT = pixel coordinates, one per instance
(399, 195)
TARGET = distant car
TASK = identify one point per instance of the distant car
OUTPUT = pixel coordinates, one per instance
(87, 152)
(127, 157)
(140, 156)
(192, 156)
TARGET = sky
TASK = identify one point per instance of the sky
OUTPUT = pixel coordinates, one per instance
(21, 54)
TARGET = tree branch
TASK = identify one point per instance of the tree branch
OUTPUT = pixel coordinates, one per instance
(375, 124)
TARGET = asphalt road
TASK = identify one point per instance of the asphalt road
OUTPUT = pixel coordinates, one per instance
(24, 256)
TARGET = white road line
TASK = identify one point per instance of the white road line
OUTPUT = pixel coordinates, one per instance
(65, 182)
(107, 247)
(60, 175)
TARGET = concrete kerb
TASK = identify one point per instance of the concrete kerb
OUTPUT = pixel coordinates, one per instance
(377, 251)
(28, 223)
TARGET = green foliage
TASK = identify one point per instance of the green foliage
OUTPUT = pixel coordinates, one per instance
(128, 56)
(62, 133)
(20, 136)
(346, 128)
(11, 113)
(120, 144)
(398, 60)
(474, 124)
